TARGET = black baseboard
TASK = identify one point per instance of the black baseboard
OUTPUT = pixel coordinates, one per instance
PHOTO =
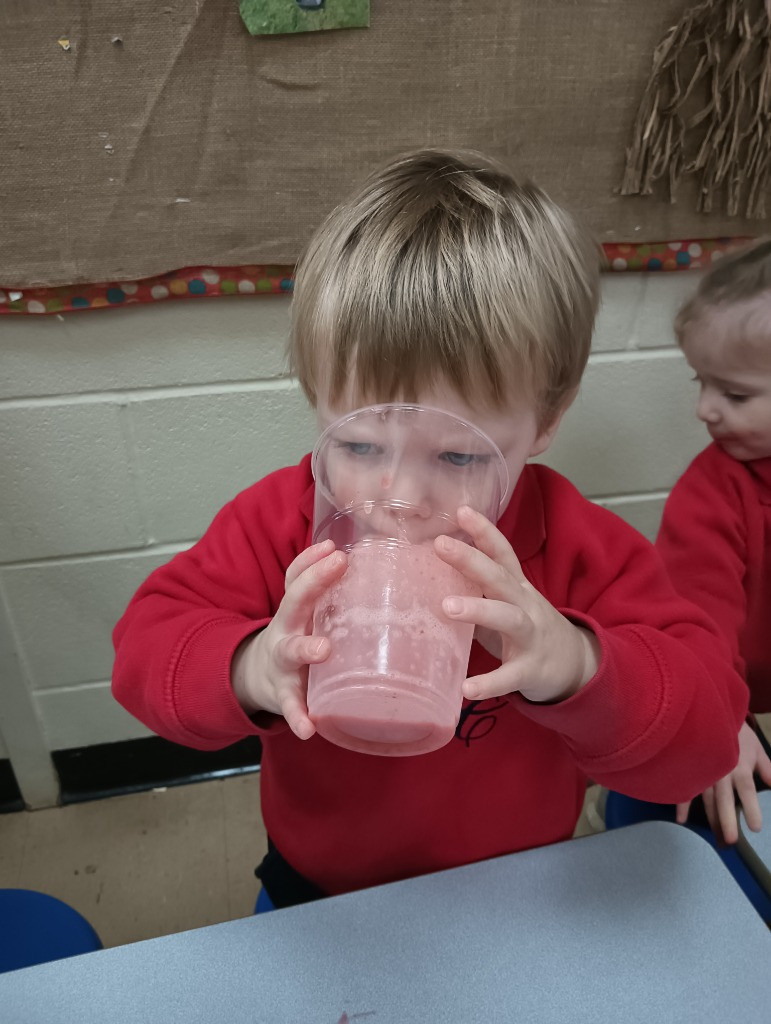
(10, 796)
(111, 769)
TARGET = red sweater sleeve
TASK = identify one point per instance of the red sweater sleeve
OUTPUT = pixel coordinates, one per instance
(703, 541)
(660, 718)
(175, 642)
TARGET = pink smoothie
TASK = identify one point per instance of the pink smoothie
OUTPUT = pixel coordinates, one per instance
(392, 684)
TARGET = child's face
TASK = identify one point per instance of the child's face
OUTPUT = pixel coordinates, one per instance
(729, 350)
(514, 428)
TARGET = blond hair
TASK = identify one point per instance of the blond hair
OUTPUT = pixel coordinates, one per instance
(739, 277)
(443, 267)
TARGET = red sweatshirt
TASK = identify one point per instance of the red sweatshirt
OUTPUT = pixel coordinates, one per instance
(715, 537)
(659, 720)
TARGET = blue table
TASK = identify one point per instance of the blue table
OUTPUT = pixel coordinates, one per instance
(643, 925)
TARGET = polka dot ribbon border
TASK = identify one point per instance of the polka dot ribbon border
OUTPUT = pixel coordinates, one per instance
(202, 282)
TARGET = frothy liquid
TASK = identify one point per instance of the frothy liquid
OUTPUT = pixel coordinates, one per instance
(392, 683)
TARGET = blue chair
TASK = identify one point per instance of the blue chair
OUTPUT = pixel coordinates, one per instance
(623, 810)
(626, 810)
(264, 903)
(36, 928)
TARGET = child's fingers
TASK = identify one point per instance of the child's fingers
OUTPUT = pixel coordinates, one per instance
(725, 807)
(498, 616)
(489, 539)
(301, 597)
(497, 683)
(293, 652)
(493, 577)
(308, 558)
(295, 712)
(681, 814)
(710, 808)
(745, 789)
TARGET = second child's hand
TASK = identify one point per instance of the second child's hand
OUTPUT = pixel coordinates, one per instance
(720, 799)
(544, 656)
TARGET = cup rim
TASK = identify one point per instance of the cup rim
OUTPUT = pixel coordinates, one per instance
(382, 407)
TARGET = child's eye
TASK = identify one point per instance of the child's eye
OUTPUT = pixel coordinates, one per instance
(462, 458)
(736, 398)
(361, 447)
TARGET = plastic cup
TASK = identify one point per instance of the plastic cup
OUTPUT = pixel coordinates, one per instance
(389, 479)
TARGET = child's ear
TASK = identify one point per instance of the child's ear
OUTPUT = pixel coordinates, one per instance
(546, 435)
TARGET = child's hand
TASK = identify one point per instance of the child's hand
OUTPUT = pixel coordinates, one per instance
(720, 801)
(269, 671)
(544, 656)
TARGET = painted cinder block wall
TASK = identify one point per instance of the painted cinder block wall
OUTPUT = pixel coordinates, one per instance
(122, 433)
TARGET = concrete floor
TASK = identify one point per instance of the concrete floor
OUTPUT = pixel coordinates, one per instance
(146, 864)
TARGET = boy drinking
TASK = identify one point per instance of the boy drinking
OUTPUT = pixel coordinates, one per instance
(445, 282)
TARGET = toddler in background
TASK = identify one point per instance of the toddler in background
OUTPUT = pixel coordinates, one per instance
(715, 535)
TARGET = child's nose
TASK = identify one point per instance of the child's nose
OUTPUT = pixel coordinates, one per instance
(707, 408)
(405, 485)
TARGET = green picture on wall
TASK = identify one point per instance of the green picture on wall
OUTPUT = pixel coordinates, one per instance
(277, 17)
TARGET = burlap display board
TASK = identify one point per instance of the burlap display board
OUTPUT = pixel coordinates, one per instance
(166, 136)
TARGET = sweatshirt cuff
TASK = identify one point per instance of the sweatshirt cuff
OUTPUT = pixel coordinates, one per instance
(607, 715)
(200, 692)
